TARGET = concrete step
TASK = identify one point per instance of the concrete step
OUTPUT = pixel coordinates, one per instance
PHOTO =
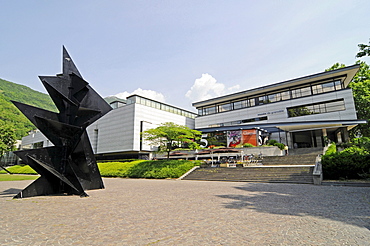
(286, 174)
(306, 151)
(290, 160)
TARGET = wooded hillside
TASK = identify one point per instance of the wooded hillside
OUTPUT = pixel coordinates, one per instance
(9, 114)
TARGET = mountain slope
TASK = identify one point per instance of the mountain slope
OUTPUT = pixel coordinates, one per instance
(20, 93)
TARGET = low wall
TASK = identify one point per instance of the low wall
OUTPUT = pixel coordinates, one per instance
(265, 151)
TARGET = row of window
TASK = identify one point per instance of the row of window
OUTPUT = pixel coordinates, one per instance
(317, 108)
(292, 93)
(161, 106)
(309, 109)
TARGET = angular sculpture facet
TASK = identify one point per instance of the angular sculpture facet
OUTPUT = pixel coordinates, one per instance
(69, 166)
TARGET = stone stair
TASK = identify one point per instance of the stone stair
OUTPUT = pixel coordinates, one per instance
(285, 174)
(306, 151)
(297, 168)
(308, 159)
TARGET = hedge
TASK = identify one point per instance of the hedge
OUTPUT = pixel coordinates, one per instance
(351, 163)
(158, 169)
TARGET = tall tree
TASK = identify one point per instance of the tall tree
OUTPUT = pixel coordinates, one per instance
(7, 138)
(168, 135)
(364, 50)
(360, 86)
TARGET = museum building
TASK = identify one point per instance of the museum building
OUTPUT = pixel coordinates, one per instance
(301, 113)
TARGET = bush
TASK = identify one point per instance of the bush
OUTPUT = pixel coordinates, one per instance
(351, 163)
(161, 169)
(280, 145)
(117, 169)
(248, 145)
(276, 143)
(331, 149)
(363, 142)
(271, 142)
(133, 169)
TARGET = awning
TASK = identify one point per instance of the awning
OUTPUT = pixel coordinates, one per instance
(289, 126)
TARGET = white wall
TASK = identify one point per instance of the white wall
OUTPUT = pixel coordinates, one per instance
(119, 130)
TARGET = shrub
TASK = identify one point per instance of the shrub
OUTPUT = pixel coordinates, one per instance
(161, 169)
(248, 145)
(351, 163)
(133, 169)
(280, 145)
(276, 143)
(331, 149)
(117, 169)
(362, 142)
(271, 142)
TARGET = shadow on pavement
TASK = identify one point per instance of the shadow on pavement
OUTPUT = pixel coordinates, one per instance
(10, 192)
(350, 205)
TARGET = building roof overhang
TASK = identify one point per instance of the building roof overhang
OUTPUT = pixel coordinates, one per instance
(289, 126)
(346, 74)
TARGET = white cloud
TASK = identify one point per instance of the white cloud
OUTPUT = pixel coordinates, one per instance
(157, 96)
(207, 87)
(233, 88)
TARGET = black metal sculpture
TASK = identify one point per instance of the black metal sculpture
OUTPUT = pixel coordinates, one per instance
(69, 166)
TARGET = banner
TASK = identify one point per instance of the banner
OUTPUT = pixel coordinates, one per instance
(234, 138)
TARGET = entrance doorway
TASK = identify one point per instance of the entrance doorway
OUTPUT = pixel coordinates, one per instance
(307, 139)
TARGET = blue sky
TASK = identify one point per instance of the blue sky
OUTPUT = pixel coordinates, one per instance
(179, 51)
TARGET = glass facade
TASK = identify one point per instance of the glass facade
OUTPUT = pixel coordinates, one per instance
(291, 93)
(160, 106)
(317, 108)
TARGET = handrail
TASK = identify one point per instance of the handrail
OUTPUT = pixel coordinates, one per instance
(317, 171)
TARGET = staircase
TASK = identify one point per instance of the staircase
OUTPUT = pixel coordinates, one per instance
(297, 168)
(289, 160)
(293, 174)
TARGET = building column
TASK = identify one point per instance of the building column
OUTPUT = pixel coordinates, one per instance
(324, 136)
(289, 139)
(345, 135)
(318, 138)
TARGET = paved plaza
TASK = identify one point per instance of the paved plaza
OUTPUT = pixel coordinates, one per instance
(174, 212)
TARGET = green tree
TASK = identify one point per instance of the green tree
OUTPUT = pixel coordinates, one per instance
(360, 86)
(7, 138)
(168, 135)
(364, 50)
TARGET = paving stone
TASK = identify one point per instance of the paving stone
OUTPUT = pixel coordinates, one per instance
(174, 212)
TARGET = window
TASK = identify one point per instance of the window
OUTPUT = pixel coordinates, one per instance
(240, 104)
(38, 145)
(301, 92)
(209, 110)
(285, 95)
(338, 85)
(274, 97)
(261, 100)
(254, 119)
(318, 108)
(224, 107)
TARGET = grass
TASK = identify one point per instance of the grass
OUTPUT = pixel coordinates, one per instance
(20, 169)
(10, 177)
(117, 169)
(158, 169)
(161, 169)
